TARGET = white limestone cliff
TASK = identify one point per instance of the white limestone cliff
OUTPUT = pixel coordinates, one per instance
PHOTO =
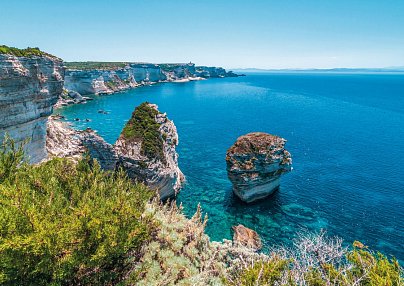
(29, 87)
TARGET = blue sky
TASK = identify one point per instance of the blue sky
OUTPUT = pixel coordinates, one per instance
(233, 34)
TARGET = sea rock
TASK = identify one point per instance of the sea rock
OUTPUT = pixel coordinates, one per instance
(246, 237)
(151, 159)
(255, 164)
(29, 87)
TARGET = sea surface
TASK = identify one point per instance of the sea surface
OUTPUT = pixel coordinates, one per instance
(345, 133)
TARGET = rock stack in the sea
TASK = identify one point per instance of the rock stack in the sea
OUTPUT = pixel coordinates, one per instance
(255, 164)
(145, 148)
(31, 82)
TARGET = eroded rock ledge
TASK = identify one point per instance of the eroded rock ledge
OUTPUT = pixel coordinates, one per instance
(145, 148)
(255, 164)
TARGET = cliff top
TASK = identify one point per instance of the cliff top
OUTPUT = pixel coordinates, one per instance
(255, 142)
(119, 65)
(28, 52)
(95, 65)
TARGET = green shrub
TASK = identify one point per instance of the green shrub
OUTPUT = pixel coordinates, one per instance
(63, 223)
(142, 127)
(264, 273)
(28, 52)
(318, 261)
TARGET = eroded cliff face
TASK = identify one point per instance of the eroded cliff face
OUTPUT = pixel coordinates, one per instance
(151, 159)
(255, 164)
(114, 79)
(99, 81)
(29, 87)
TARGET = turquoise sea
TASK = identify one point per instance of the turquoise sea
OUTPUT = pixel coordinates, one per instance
(344, 131)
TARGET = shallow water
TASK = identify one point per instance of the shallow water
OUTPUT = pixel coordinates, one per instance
(344, 131)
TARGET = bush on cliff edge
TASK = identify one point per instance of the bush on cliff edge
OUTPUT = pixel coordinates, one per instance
(63, 223)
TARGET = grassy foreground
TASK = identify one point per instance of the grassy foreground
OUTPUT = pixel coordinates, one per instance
(63, 223)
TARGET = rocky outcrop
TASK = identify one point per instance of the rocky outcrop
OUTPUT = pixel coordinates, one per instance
(63, 141)
(151, 159)
(255, 164)
(29, 87)
(246, 237)
(145, 149)
(70, 97)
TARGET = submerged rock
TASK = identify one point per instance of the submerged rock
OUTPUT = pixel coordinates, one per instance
(246, 237)
(255, 164)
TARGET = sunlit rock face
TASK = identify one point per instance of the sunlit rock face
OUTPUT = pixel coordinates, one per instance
(86, 81)
(255, 164)
(29, 87)
(147, 73)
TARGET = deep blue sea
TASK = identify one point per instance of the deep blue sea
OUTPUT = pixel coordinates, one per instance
(344, 131)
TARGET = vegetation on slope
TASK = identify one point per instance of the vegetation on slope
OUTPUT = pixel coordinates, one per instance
(142, 127)
(72, 224)
(28, 52)
(95, 65)
(67, 224)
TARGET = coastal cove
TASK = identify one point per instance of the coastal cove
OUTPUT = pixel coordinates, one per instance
(344, 132)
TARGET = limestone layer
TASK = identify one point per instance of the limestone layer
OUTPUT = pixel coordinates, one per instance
(29, 87)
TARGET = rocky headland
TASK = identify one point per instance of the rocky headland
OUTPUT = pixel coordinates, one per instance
(31, 82)
(255, 164)
(145, 149)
